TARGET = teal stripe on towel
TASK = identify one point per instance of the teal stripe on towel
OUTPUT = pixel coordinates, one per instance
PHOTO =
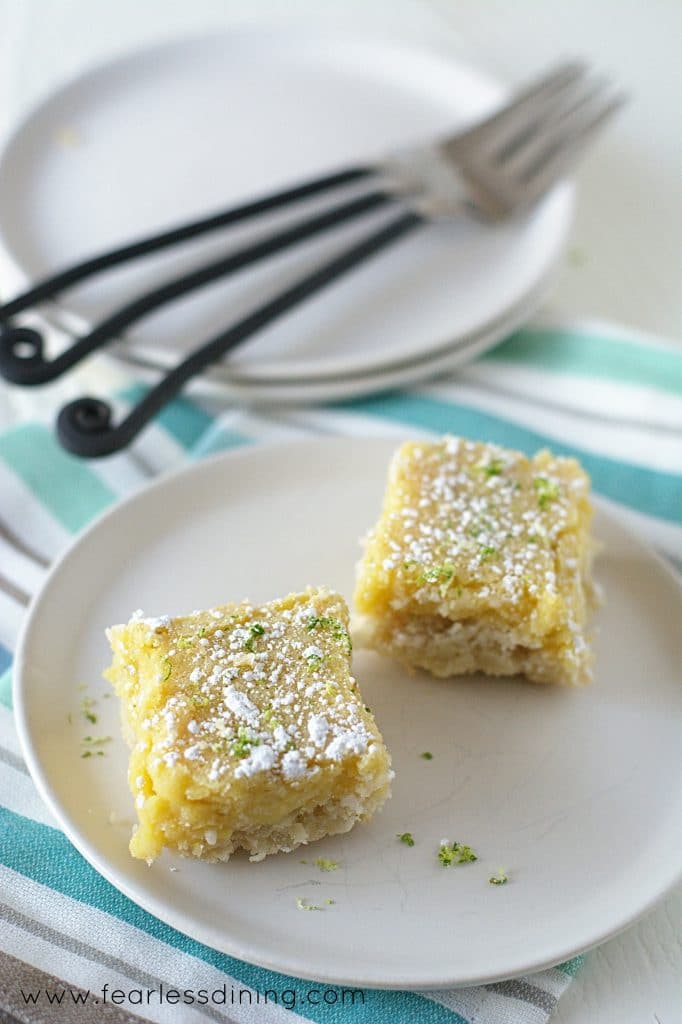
(182, 419)
(5, 677)
(590, 355)
(45, 855)
(651, 491)
(64, 484)
(6, 687)
(571, 967)
(218, 439)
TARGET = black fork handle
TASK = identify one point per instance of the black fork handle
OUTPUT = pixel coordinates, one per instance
(22, 359)
(84, 426)
(59, 282)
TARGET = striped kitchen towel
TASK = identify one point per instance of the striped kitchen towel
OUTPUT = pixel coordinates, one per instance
(614, 401)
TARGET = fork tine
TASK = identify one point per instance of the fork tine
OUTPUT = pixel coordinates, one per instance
(594, 87)
(561, 154)
(516, 114)
(516, 132)
(513, 150)
(503, 164)
(549, 130)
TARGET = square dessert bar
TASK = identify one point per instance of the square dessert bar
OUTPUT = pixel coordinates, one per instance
(246, 727)
(481, 561)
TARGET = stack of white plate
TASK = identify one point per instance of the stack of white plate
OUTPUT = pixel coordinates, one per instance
(187, 128)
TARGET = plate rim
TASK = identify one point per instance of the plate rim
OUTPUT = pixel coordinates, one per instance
(91, 853)
(355, 385)
(57, 313)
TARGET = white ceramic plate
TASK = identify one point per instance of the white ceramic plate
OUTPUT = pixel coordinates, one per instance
(184, 128)
(222, 386)
(577, 793)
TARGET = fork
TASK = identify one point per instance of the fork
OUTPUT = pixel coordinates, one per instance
(494, 170)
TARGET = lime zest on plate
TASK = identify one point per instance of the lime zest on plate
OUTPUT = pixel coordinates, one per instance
(499, 878)
(325, 864)
(450, 853)
(303, 904)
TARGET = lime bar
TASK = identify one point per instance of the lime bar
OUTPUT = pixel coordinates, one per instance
(481, 561)
(247, 729)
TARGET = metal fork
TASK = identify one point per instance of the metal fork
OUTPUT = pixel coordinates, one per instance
(502, 166)
(494, 170)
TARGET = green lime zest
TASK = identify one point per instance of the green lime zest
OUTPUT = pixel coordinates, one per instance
(443, 575)
(487, 551)
(427, 755)
(255, 629)
(269, 718)
(438, 573)
(546, 490)
(499, 878)
(87, 704)
(325, 864)
(338, 630)
(455, 853)
(303, 904)
(188, 641)
(493, 467)
(405, 837)
(92, 745)
(241, 746)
